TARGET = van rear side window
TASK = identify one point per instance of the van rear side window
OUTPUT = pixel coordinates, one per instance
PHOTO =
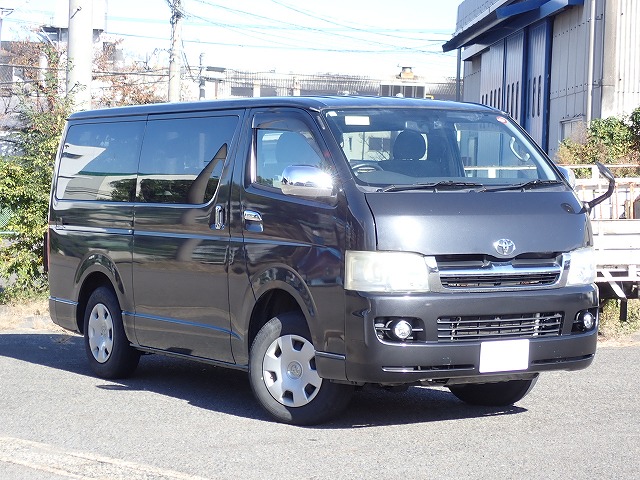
(99, 161)
(182, 159)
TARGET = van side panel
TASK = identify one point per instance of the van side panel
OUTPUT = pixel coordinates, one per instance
(81, 245)
(91, 213)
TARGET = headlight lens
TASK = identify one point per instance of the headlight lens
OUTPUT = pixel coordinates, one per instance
(582, 269)
(387, 271)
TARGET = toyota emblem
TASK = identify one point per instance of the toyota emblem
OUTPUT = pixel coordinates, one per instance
(504, 246)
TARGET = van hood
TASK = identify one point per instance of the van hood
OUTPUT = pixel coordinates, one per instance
(448, 223)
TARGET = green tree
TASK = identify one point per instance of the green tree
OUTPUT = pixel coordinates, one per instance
(634, 126)
(25, 176)
(609, 140)
(132, 84)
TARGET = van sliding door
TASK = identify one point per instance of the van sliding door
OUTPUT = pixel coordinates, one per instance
(181, 237)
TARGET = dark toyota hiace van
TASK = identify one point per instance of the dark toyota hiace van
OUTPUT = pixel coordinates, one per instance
(321, 244)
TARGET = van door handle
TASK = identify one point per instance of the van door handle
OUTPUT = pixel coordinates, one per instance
(218, 217)
(252, 221)
(251, 216)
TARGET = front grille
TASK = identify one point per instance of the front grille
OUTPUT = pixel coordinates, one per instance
(497, 281)
(473, 328)
(469, 273)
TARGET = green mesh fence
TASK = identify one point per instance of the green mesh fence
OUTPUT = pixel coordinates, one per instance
(5, 213)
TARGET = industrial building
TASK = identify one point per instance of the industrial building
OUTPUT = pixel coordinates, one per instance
(552, 64)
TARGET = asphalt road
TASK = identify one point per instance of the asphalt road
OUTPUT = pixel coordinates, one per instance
(181, 420)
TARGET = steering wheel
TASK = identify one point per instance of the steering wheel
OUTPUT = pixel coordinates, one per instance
(365, 168)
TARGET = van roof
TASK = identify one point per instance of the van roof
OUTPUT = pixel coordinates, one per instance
(316, 103)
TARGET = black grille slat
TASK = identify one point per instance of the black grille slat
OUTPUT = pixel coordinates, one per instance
(500, 326)
(515, 328)
(493, 281)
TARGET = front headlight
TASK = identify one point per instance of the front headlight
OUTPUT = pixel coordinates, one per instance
(582, 267)
(387, 271)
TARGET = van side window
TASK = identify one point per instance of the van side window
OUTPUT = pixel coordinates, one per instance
(182, 159)
(277, 149)
(99, 162)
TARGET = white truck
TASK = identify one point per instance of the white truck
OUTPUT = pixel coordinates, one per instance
(616, 233)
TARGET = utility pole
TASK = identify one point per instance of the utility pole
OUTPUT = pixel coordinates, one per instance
(80, 50)
(459, 75)
(203, 82)
(176, 49)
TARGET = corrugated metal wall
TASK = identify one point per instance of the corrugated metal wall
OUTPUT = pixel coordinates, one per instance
(616, 65)
(514, 69)
(568, 83)
(492, 75)
(623, 95)
(472, 80)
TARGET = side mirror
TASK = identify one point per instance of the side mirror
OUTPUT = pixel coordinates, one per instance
(568, 175)
(306, 181)
(606, 173)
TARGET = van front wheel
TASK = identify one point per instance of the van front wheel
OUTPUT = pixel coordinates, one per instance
(108, 350)
(499, 394)
(283, 375)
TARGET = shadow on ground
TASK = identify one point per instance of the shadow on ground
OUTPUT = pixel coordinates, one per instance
(227, 391)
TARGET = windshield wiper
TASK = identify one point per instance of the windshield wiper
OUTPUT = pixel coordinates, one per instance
(442, 185)
(524, 185)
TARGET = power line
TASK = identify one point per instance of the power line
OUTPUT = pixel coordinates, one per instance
(292, 27)
(287, 41)
(362, 28)
(283, 47)
(283, 42)
(307, 29)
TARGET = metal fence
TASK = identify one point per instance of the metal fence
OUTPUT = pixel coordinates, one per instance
(5, 214)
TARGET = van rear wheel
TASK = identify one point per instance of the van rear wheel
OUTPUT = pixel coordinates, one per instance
(499, 394)
(108, 350)
(283, 375)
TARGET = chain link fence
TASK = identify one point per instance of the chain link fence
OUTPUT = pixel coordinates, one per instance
(5, 213)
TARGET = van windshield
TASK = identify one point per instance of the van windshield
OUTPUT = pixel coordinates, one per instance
(395, 148)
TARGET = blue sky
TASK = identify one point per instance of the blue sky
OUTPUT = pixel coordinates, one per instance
(368, 37)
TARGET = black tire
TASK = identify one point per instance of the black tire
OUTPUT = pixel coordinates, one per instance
(108, 349)
(499, 394)
(283, 376)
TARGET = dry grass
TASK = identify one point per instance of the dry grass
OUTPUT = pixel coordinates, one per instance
(615, 331)
(31, 314)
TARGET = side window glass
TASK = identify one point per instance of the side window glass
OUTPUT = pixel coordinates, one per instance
(99, 162)
(278, 149)
(182, 159)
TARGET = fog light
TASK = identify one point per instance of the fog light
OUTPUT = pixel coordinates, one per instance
(585, 321)
(401, 329)
(588, 320)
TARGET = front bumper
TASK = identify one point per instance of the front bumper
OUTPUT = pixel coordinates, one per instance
(369, 359)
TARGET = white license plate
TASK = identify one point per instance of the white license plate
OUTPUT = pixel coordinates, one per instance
(504, 356)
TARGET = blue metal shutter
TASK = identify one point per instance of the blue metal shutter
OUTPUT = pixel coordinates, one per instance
(537, 86)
